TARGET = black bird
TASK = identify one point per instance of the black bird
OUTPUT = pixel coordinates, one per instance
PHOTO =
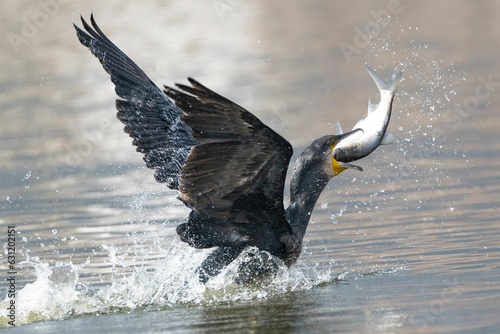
(228, 166)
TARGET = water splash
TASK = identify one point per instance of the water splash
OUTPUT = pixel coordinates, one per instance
(57, 294)
(49, 296)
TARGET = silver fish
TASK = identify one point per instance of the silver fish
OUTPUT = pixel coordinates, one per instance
(373, 126)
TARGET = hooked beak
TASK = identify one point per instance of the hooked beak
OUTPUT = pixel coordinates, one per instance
(339, 166)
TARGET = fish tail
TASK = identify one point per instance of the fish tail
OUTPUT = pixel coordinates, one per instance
(390, 85)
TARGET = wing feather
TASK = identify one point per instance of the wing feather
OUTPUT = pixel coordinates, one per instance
(150, 118)
(237, 158)
(229, 167)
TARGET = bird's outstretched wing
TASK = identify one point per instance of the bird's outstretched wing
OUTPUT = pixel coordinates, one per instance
(229, 167)
(150, 118)
(238, 168)
(234, 178)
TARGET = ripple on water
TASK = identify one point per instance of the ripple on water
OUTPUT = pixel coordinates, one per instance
(56, 293)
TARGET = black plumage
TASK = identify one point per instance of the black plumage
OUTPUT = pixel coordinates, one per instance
(150, 118)
(228, 166)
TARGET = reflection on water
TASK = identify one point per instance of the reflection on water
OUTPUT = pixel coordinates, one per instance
(413, 237)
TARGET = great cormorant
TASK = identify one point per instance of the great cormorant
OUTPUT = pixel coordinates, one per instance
(228, 166)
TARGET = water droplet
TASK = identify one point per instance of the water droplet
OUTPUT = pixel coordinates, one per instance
(54, 231)
(324, 205)
(452, 209)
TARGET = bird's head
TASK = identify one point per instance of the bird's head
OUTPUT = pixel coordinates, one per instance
(321, 158)
(314, 168)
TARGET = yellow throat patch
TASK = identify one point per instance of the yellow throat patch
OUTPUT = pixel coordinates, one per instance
(336, 167)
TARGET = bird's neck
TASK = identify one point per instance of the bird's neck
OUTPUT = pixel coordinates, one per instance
(307, 183)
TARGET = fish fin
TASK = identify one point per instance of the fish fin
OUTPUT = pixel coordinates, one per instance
(338, 128)
(349, 166)
(392, 84)
(388, 138)
(371, 107)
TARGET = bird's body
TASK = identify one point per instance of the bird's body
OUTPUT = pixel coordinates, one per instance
(228, 167)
